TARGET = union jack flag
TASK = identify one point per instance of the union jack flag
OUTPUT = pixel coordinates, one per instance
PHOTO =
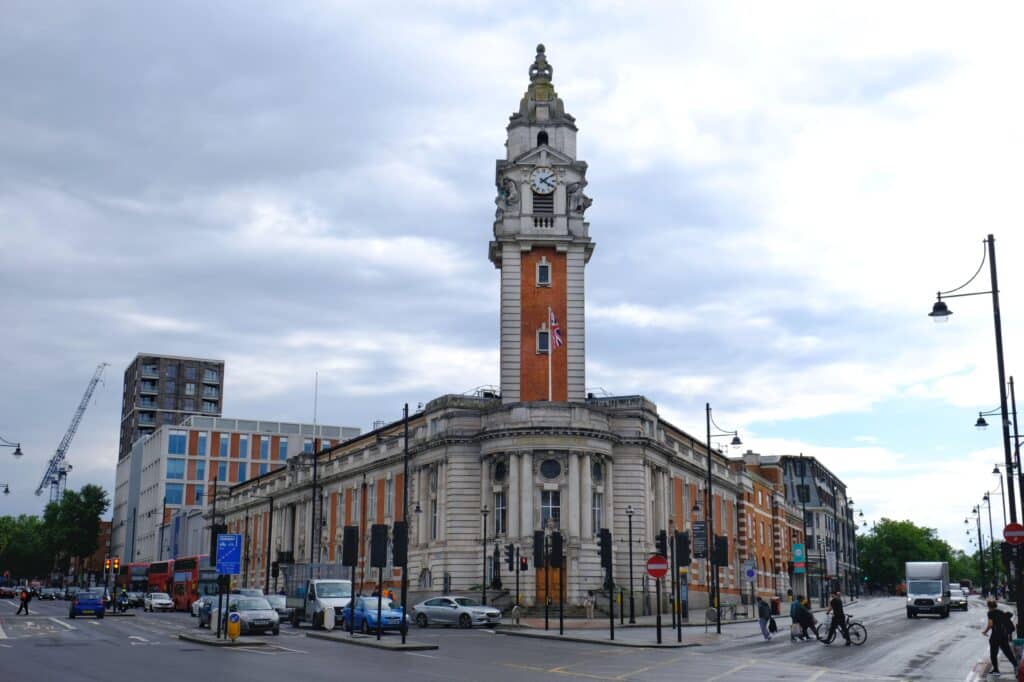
(556, 331)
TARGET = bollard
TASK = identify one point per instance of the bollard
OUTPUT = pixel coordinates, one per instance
(234, 625)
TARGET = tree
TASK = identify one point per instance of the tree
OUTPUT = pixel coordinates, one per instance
(890, 544)
(73, 523)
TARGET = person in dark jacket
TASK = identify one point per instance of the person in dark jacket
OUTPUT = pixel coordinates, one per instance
(764, 614)
(26, 596)
(999, 636)
(835, 608)
(803, 617)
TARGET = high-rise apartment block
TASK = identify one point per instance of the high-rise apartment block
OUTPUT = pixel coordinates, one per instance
(165, 389)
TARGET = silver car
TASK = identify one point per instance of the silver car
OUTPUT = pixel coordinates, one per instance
(957, 599)
(255, 614)
(157, 601)
(451, 610)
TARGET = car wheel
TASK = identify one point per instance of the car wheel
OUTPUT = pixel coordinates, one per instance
(364, 627)
(465, 621)
(421, 620)
(99, 616)
(277, 631)
(71, 614)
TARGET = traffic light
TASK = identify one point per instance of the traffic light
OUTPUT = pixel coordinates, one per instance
(400, 544)
(555, 556)
(349, 546)
(538, 548)
(510, 556)
(683, 549)
(524, 564)
(275, 570)
(661, 543)
(117, 563)
(605, 543)
(720, 555)
(378, 545)
(106, 564)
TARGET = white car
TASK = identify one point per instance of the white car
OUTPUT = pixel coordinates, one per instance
(157, 601)
(451, 610)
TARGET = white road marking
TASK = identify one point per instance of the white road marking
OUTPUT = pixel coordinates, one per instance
(141, 639)
(7, 646)
(11, 602)
(413, 653)
(94, 622)
(61, 623)
(3, 635)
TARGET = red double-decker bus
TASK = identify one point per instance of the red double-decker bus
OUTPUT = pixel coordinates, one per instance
(193, 577)
(159, 576)
(133, 578)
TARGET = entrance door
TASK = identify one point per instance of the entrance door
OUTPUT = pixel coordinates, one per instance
(554, 577)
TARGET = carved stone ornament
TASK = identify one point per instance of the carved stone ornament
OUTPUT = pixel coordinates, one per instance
(578, 201)
(508, 197)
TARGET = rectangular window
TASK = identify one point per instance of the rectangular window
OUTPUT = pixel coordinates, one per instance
(188, 405)
(201, 470)
(542, 341)
(169, 387)
(433, 519)
(199, 495)
(243, 447)
(550, 507)
(176, 442)
(190, 373)
(176, 469)
(307, 445)
(371, 502)
(241, 471)
(222, 472)
(500, 513)
(595, 511)
(543, 273)
(174, 493)
(201, 449)
(264, 468)
(282, 449)
(167, 402)
(264, 448)
(389, 497)
(209, 406)
(211, 375)
(225, 445)
(190, 389)
(171, 371)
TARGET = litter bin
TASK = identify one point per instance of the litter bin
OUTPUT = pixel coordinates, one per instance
(776, 606)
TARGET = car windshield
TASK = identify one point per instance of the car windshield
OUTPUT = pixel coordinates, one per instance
(89, 595)
(466, 601)
(956, 592)
(249, 592)
(371, 603)
(331, 590)
(924, 587)
(276, 600)
(253, 604)
(159, 595)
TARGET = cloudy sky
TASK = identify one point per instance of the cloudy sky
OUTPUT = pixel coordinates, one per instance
(779, 190)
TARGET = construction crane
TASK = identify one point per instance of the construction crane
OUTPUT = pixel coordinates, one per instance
(57, 471)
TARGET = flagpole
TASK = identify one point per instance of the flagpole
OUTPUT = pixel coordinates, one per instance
(550, 347)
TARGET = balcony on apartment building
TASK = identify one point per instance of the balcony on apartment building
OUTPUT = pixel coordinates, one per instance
(151, 371)
(148, 387)
(211, 392)
(211, 376)
(147, 403)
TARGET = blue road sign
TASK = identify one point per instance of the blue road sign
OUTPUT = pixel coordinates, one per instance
(229, 554)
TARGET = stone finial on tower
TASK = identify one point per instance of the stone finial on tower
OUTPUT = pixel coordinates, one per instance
(540, 70)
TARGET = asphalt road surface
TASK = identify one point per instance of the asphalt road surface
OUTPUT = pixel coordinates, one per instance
(49, 646)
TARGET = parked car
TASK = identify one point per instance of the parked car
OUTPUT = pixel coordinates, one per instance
(7, 592)
(366, 615)
(157, 601)
(198, 604)
(49, 593)
(248, 591)
(87, 603)
(957, 599)
(451, 610)
(136, 599)
(255, 613)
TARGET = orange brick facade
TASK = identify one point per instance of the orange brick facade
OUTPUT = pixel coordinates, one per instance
(535, 301)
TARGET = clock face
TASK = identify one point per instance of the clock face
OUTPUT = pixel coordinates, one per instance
(543, 180)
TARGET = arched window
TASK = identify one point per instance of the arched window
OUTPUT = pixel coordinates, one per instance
(542, 138)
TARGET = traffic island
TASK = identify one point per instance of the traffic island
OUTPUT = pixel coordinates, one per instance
(391, 643)
(211, 640)
(114, 614)
(596, 637)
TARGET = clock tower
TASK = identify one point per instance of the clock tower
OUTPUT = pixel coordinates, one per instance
(541, 246)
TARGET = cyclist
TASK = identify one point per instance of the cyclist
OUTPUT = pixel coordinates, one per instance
(835, 608)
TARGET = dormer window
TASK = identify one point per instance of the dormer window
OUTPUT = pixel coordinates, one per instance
(542, 138)
(543, 272)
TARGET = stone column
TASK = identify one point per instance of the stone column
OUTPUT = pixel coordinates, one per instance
(442, 501)
(422, 519)
(574, 496)
(526, 525)
(486, 497)
(513, 496)
(586, 499)
(609, 496)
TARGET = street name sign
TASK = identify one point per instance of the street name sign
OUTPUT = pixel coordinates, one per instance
(700, 540)
(657, 566)
(1014, 533)
(229, 554)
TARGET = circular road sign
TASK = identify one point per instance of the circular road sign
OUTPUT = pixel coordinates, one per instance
(657, 566)
(1014, 533)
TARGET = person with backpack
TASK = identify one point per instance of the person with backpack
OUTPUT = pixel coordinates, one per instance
(999, 630)
(25, 597)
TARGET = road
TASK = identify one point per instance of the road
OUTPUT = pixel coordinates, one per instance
(48, 646)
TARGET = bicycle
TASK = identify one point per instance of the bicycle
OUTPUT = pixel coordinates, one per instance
(858, 633)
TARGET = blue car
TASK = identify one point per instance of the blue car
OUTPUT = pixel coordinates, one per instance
(366, 615)
(87, 603)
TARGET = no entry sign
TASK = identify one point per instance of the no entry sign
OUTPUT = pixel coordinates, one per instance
(1014, 533)
(657, 566)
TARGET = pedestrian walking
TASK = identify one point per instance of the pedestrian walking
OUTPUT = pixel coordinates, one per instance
(764, 614)
(835, 607)
(588, 604)
(805, 618)
(999, 630)
(25, 597)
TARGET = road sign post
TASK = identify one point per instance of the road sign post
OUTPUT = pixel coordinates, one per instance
(657, 567)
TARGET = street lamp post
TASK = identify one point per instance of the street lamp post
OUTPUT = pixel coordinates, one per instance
(629, 518)
(709, 515)
(1002, 496)
(483, 577)
(976, 512)
(991, 540)
(4, 443)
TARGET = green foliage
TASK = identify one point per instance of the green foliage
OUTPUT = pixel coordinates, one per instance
(890, 544)
(31, 546)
